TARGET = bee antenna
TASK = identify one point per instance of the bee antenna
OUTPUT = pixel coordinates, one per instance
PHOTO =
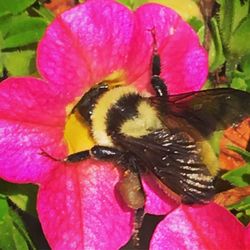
(45, 154)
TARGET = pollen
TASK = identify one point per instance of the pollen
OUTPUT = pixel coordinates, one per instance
(116, 78)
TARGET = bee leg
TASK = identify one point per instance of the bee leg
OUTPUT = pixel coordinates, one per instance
(137, 200)
(104, 153)
(97, 152)
(77, 157)
(138, 219)
(131, 184)
(157, 82)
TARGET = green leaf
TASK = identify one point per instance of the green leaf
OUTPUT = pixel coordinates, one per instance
(245, 64)
(196, 23)
(23, 195)
(24, 31)
(5, 23)
(240, 12)
(14, 6)
(248, 212)
(45, 13)
(128, 3)
(6, 239)
(238, 83)
(243, 210)
(248, 85)
(216, 53)
(245, 154)
(239, 44)
(133, 4)
(13, 234)
(239, 177)
(242, 205)
(20, 234)
(3, 207)
(230, 16)
(19, 63)
(1, 56)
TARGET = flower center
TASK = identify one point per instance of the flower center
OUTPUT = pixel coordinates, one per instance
(77, 134)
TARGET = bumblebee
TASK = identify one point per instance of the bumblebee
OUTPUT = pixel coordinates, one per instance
(164, 135)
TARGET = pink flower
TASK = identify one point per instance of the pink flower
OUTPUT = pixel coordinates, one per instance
(78, 204)
(207, 227)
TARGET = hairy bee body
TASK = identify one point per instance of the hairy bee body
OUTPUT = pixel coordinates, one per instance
(163, 135)
(122, 110)
(123, 120)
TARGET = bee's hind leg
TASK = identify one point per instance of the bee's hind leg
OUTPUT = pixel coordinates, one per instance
(130, 185)
(131, 189)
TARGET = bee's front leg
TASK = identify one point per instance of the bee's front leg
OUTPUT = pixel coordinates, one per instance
(97, 152)
(125, 159)
(158, 84)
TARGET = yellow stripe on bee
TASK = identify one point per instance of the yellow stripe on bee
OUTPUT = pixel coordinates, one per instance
(146, 121)
(99, 116)
(208, 157)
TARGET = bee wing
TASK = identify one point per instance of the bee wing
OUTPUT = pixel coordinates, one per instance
(176, 161)
(209, 110)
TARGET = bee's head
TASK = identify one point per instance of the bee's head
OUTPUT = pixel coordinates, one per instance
(87, 103)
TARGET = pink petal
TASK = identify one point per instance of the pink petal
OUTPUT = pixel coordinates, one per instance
(33, 101)
(78, 208)
(184, 61)
(247, 238)
(157, 201)
(85, 44)
(199, 227)
(31, 119)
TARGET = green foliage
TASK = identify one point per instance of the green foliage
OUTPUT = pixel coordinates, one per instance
(19, 63)
(239, 83)
(23, 30)
(231, 14)
(14, 6)
(242, 210)
(22, 195)
(132, 4)
(239, 44)
(245, 64)
(13, 234)
(195, 23)
(233, 21)
(245, 154)
(239, 177)
(22, 24)
(216, 53)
